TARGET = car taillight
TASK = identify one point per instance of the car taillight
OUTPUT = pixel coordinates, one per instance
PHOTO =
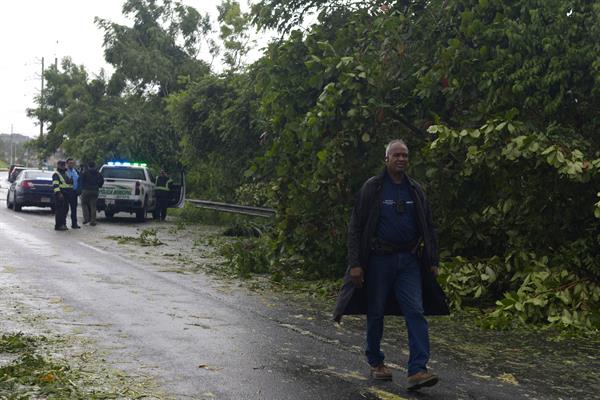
(137, 188)
(26, 185)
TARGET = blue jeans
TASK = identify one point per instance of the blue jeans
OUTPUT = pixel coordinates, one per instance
(401, 274)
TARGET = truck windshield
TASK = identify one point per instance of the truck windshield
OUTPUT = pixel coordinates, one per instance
(123, 173)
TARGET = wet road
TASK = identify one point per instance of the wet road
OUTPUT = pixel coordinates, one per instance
(195, 338)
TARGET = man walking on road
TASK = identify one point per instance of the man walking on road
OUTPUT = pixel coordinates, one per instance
(392, 265)
(72, 200)
(90, 182)
(62, 185)
(163, 192)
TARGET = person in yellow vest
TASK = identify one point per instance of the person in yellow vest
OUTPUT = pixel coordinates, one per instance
(163, 192)
(62, 185)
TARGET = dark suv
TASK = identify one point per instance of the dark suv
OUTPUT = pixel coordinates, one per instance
(32, 187)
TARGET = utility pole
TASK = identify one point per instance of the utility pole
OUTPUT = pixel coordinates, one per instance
(42, 103)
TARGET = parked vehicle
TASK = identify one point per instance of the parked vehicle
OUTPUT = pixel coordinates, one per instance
(31, 187)
(129, 187)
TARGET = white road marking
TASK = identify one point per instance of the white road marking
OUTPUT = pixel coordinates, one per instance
(21, 218)
(92, 247)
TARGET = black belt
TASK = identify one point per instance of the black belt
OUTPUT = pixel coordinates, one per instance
(382, 247)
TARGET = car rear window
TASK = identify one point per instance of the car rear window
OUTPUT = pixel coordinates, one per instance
(38, 175)
(123, 173)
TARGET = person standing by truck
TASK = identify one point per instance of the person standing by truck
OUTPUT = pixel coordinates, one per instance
(62, 185)
(72, 199)
(163, 192)
(90, 182)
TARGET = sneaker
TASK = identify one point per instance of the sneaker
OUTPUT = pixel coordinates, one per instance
(85, 222)
(61, 228)
(93, 224)
(75, 227)
(381, 372)
(422, 379)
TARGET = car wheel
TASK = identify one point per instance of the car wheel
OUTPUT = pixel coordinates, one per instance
(17, 207)
(8, 204)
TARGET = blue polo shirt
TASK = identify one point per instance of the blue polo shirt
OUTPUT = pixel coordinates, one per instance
(72, 172)
(397, 227)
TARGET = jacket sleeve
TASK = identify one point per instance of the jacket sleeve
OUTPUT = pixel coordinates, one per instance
(355, 230)
(55, 183)
(435, 255)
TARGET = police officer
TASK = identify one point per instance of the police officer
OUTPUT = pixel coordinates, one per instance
(62, 184)
(163, 190)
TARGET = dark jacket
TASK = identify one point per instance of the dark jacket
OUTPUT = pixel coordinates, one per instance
(91, 180)
(362, 228)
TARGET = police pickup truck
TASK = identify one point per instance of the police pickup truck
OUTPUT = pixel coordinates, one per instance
(129, 187)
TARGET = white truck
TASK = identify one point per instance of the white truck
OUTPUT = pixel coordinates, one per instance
(128, 187)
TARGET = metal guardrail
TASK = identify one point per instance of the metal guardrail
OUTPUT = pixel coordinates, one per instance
(233, 208)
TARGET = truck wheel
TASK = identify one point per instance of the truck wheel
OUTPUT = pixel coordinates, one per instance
(109, 214)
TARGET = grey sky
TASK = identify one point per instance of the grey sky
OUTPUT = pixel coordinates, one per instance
(32, 29)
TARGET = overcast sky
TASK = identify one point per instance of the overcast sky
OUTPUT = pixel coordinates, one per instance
(32, 29)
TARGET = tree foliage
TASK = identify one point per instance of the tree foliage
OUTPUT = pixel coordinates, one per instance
(497, 100)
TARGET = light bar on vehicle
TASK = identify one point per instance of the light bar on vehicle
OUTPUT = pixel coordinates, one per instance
(126, 164)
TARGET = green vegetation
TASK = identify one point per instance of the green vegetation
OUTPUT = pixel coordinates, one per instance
(148, 237)
(497, 100)
(29, 371)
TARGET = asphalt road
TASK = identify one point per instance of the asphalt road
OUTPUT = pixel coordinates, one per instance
(193, 336)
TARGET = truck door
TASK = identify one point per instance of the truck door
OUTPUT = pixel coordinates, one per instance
(177, 192)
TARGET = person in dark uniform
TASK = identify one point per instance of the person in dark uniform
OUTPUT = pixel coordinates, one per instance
(90, 182)
(62, 185)
(163, 192)
(392, 265)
